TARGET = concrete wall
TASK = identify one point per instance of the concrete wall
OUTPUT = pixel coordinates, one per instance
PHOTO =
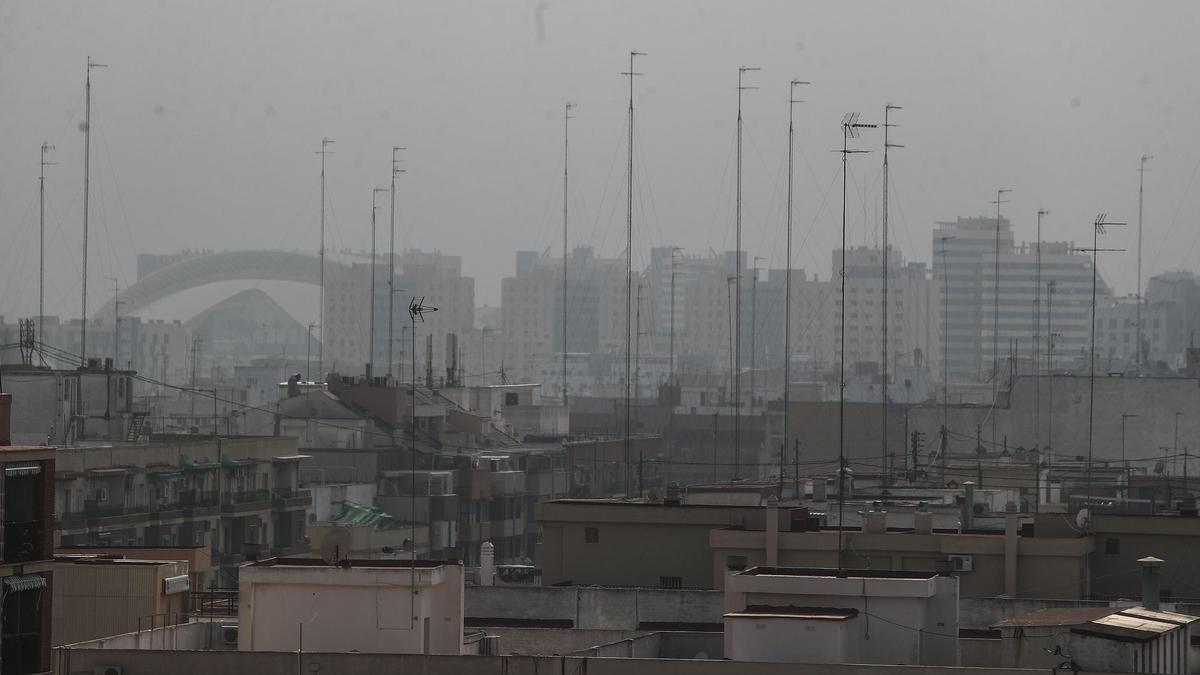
(83, 662)
(1118, 575)
(188, 636)
(638, 544)
(591, 608)
(95, 600)
(368, 609)
(1153, 399)
(1046, 567)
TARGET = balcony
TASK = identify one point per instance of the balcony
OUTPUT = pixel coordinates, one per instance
(247, 500)
(24, 541)
(286, 500)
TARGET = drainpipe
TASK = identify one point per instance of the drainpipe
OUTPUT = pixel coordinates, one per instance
(1010, 550)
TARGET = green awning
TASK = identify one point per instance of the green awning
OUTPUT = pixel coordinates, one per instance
(24, 582)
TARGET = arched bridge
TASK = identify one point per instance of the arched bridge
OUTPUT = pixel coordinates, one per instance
(209, 268)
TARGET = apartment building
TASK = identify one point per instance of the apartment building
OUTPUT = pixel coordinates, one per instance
(435, 277)
(155, 348)
(375, 606)
(26, 551)
(52, 406)
(964, 256)
(238, 496)
(913, 303)
(532, 309)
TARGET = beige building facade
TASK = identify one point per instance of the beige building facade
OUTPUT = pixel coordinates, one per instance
(373, 607)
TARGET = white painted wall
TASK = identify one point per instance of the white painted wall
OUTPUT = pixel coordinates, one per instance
(363, 608)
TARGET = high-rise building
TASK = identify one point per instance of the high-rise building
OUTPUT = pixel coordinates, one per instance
(435, 277)
(1019, 329)
(532, 310)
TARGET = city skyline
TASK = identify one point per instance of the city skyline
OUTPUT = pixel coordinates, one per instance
(265, 193)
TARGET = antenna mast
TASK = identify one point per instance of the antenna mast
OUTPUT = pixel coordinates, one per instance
(1098, 229)
(371, 338)
(737, 288)
(996, 313)
(325, 142)
(850, 127)
(392, 264)
(1037, 334)
(46, 147)
(87, 165)
(629, 274)
(566, 155)
(883, 398)
(787, 281)
(1141, 188)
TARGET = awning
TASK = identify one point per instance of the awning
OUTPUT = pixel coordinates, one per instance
(24, 582)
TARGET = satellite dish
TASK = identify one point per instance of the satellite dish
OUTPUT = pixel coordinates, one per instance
(1083, 518)
(335, 546)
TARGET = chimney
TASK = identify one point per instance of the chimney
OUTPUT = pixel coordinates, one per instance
(968, 512)
(875, 520)
(487, 564)
(293, 386)
(674, 495)
(1150, 567)
(1010, 549)
(5, 419)
(820, 487)
(922, 519)
(772, 514)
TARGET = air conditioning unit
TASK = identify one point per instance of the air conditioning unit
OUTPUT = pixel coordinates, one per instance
(229, 634)
(962, 563)
(107, 670)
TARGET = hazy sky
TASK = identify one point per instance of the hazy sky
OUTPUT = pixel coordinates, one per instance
(208, 116)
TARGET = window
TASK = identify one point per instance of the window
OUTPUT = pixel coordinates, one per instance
(1112, 546)
(591, 535)
(736, 562)
(670, 582)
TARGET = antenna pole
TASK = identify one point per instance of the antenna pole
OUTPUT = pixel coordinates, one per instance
(628, 455)
(371, 338)
(87, 165)
(737, 288)
(566, 165)
(1098, 228)
(325, 142)
(392, 264)
(996, 314)
(116, 321)
(883, 398)
(850, 127)
(46, 147)
(1138, 330)
(1037, 334)
(787, 280)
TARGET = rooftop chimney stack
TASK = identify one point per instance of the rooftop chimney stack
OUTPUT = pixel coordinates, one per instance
(820, 487)
(1150, 567)
(487, 564)
(968, 512)
(922, 519)
(875, 520)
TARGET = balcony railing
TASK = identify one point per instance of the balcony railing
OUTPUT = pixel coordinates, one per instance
(248, 497)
